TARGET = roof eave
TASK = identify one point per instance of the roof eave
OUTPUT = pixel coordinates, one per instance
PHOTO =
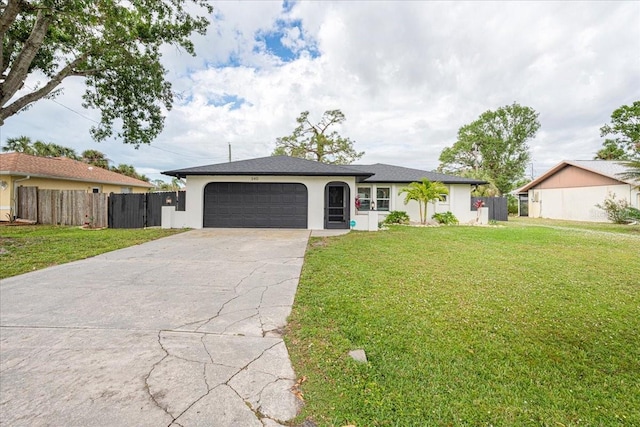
(65, 178)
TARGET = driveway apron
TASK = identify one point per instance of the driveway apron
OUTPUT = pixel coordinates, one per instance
(181, 331)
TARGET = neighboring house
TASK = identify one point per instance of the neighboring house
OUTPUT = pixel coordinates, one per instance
(572, 189)
(288, 192)
(58, 173)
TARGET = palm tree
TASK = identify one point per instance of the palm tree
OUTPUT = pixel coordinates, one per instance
(130, 171)
(424, 192)
(95, 158)
(49, 149)
(21, 144)
(633, 172)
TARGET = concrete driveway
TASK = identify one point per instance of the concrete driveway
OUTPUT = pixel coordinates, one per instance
(182, 331)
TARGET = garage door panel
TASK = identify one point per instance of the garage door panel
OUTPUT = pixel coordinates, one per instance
(268, 205)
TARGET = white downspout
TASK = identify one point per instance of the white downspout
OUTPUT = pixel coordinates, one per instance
(15, 194)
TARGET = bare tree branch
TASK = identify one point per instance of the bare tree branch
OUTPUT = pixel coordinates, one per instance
(20, 67)
(22, 102)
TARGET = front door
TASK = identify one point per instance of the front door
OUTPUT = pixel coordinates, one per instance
(336, 205)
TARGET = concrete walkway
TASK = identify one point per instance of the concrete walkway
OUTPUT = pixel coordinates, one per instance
(182, 331)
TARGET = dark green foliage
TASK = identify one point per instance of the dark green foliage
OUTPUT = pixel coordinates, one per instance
(494, 146)
(632, 214)
(625, 128)
(512, 204)
(446, 218)
(114, 45)
(611, 150)
(397, 217)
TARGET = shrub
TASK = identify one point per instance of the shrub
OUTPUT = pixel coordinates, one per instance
(397, 217)
(618, 211)
(446, 218)
(512, 204)
(632, 214)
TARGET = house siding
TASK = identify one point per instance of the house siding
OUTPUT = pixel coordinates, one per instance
(573, 177)
(578, 203)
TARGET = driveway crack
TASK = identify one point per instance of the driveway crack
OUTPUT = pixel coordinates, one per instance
(146, 379)
(235, 290)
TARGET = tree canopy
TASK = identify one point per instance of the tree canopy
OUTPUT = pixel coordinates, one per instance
(113, 44)
(611, 150)
(317, 142)
(494, 146)
(625, 130)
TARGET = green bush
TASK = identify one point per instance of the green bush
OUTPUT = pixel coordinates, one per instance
(512, 204)
(446, 218)
(397, 217)
(619, 211)
(632, 214)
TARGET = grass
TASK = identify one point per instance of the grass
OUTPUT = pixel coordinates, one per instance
(581, 225)
(470, 326)
(28, 248)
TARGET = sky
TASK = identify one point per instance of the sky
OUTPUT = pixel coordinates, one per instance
(407, 75)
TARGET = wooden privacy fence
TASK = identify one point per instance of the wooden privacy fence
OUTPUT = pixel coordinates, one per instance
(62, 207)
(498, 209)
(70, 207)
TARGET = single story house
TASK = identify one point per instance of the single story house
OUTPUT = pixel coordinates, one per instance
(289, 192)
(58, 173)
(572, 189)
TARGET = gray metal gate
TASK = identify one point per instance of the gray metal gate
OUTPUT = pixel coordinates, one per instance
(142, 210)
(498, 207)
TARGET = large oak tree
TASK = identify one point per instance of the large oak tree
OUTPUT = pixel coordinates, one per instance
(494, 146)
(113, 44)
(318, 141)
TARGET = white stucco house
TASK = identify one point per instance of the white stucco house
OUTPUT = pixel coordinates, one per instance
(288, 192)
(572, 189)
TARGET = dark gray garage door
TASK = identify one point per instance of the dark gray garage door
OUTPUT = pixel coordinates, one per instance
(260, 205)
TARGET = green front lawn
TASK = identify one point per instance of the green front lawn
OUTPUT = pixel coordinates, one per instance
(26, 248)
(633, 229)
(470, 326)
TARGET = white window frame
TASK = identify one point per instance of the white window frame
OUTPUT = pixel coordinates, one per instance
(388, 198)
(365, 198)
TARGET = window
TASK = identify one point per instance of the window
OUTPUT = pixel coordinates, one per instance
(382, 198)
(444, 198)
(95, 190)
(364, 195)
(126, 190)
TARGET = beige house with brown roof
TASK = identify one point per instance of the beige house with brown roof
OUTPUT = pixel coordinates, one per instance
(58, 173)
(572, 189)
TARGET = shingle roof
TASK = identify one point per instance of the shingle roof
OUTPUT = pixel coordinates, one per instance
(609, 168)
(285, 165)
(63, 168)
(273, 165)
(389, 173)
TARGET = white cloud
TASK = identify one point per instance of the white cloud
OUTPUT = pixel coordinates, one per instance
(407, 75)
